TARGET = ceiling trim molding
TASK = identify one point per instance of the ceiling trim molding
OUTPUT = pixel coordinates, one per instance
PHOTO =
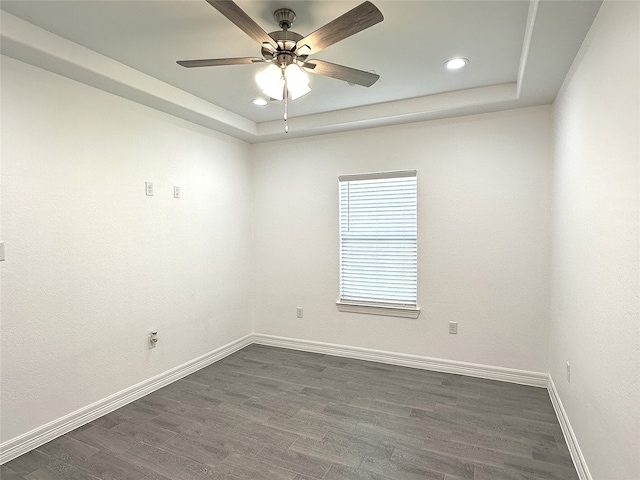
(429, 107)
(526, 44)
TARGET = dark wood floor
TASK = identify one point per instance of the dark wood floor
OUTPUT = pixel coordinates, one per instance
(268, 413)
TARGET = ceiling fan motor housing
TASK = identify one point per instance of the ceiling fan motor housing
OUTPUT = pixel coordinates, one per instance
(285, 54)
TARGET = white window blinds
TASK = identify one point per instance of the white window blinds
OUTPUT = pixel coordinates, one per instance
(378, 239)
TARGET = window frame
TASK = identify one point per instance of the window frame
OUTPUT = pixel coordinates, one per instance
(372, 307)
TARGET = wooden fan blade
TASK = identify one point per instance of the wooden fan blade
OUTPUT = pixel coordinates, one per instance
(243, 21)
(361, 17)
(214, 62)
(340, 72)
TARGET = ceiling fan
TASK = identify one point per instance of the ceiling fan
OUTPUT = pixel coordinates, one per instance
(287, 52)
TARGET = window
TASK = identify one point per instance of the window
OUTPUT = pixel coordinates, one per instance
(378, 243)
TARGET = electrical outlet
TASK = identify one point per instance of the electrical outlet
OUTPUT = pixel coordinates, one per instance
(176, 192)
(1, 251)
(148, 188)
(568, 372)
(299, 312)
(453, 328)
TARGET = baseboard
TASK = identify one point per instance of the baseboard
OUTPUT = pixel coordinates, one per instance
(569, 437)
(41, 435)
(522, 377)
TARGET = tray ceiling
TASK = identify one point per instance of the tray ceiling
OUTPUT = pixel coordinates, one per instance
(519, 52)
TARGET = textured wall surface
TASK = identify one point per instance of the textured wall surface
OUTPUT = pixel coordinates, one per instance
(595, 319)
(483, 234)
(92, 263)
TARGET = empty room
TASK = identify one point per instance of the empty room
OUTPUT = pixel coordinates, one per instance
(320, 240)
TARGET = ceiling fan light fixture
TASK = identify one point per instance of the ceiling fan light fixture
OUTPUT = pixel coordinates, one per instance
(297, 81)
(456, 63)
(299, 92)
(271, 82)
(275, 91)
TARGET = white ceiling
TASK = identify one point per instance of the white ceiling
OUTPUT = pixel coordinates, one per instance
(519, 54)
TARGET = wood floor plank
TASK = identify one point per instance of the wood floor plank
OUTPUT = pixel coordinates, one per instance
(266, 413)
(197, 449)
(180, 424)
(437, 462)
(263, 434)
(8, 474)
(68, 449)
(295, 461)
(144, 432)
(29, 462)
(103, 439)
(58, 470)
(344, 449)
(108, 465)
(396, 469)
(254, 469)
(340, 472)
(162, 461)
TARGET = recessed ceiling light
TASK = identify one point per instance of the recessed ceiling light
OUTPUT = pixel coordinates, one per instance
(456, 63)
(259, 102)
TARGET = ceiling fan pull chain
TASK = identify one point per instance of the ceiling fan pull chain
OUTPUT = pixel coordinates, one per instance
(286, 106)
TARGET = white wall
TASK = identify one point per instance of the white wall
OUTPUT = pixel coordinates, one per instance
(92, 263)
(595, 319)
(483, 221)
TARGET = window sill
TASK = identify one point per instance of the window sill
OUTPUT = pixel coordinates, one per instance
(404, 312)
